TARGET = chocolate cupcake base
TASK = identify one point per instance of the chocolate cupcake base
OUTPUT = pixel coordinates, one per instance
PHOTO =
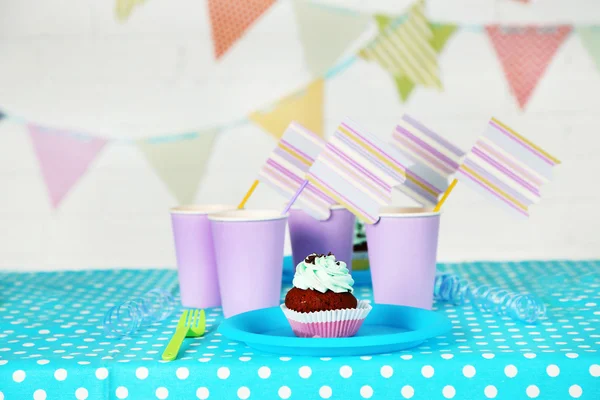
(309, 300)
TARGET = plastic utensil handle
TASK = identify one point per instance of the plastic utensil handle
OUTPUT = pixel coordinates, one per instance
(172, 349)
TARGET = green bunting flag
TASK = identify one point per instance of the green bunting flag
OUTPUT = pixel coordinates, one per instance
(180, 164)
(591, 40)
(404, 49)
(326, 33)
(436, 37)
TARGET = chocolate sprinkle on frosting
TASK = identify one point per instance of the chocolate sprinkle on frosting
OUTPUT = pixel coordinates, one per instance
(311, 258)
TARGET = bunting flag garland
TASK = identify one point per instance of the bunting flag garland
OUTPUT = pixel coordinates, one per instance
(180, 164)
(405, 49)
(433, 160)
(286, 169)
(591, 40)
(305, 107)
(123, 8)
(525, 53)
(325, 33)
(64, 157)
(357, 171)
(441, 34)
(230, 19)
(507, 168)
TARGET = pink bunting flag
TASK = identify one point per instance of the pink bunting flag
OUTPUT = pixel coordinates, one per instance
(524, 53)
(64, 157)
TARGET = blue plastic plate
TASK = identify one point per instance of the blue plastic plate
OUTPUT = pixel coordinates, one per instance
(388, 328)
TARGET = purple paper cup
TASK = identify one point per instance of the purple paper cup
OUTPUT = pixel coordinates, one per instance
(309, 235)
(196, 267)
(402, 255)
(249, 253)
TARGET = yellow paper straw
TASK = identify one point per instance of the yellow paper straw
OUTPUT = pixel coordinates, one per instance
(248, 194)
(445, 196)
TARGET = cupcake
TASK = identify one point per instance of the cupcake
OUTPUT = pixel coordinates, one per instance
(321, 303)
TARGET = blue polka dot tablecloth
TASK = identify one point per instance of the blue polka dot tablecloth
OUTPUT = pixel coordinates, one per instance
(52, 346)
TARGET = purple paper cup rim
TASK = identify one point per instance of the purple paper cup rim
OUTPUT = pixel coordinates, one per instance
(407, 212)
(247, 215)
(201, 208)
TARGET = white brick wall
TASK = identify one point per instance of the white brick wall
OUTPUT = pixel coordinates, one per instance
(69, 63)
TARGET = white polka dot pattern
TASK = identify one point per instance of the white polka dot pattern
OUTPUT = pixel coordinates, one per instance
(55, 347)
(490, 392)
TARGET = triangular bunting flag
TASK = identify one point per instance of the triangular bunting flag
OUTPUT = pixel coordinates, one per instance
(525, 53)
(180, 163)
(441, 34)
(325, 33)
(305, 107)
(404, 49)
(405, 87)
(123, 8)
(64, 157)
(591, 40)
(383, 21)
(230, 19)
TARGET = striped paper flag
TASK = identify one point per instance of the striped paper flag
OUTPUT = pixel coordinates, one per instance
(507, 168)
(404, 49)
(286, 168)
(431, 160)
(358, 171)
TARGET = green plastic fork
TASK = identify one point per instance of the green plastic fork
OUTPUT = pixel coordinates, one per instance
(191, 324)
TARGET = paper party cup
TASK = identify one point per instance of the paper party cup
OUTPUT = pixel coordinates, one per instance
(249, 254)
(327, 324)
(309, 235)
(402, 256)
(196, 266)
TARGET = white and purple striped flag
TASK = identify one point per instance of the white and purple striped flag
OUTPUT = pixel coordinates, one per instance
(285, 169)
(358, 171)
(507, 168)
(431, 160)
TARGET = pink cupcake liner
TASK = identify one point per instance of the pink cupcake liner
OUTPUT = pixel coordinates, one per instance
(328, 324)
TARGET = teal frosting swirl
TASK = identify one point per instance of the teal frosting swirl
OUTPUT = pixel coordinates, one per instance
(325, 274)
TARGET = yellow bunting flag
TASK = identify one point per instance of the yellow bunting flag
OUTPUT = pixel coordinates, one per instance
(304, 107)
(123, 8)
(179, 163)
